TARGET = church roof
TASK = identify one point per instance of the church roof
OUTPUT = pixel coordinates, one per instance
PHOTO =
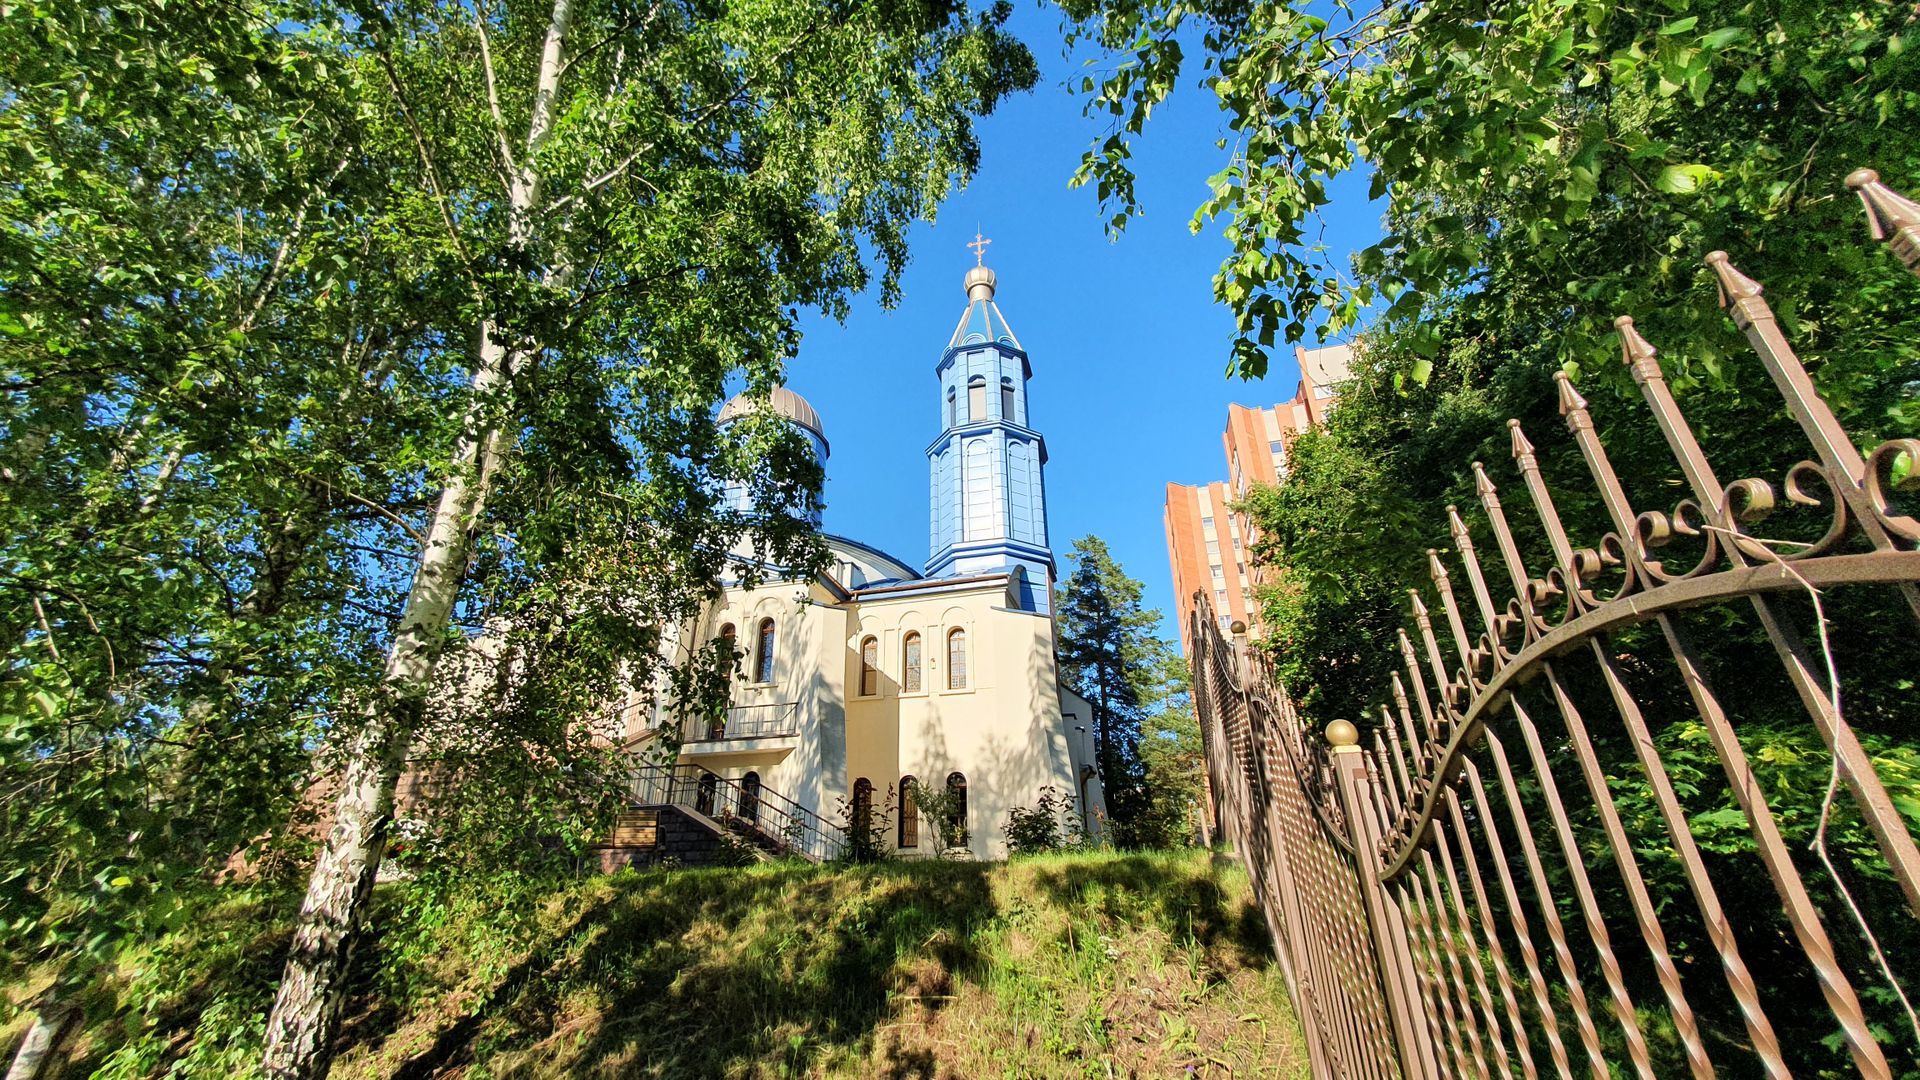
(783, 402)
(982, 320)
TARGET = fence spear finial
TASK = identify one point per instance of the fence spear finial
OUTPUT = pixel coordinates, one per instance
(1891, 216)
(1739, 294)
(1570, 400)
(1641, 358)
(1522, 446)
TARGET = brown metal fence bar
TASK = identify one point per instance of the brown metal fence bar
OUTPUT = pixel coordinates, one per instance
(1786, 880)
(1471, 860)
(1517, 917)
(1372, 867)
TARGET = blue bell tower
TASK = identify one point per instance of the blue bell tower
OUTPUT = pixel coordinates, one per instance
(989, 500)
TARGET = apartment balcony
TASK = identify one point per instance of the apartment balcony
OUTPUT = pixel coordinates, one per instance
(771, 730)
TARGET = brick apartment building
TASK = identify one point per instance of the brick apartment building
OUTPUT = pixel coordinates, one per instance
(1209, 544)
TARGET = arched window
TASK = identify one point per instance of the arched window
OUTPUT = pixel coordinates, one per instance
(763, 653)
(703, 796)
(750, 796)
(869, 667)
(953, 409)
(909, 813)
(976, 399)
(1006, 400)
(910, 664)
(863, 807)
(727, 633)
(957, 823)
(956, 659)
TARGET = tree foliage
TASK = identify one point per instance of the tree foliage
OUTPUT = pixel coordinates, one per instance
(311, 311)
(1583, 155)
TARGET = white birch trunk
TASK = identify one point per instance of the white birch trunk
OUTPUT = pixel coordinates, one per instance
(50, 1023)
(306, 1011)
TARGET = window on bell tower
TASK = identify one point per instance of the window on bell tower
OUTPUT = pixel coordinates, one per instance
(1006, 400)
(976, 399)
(953, 409)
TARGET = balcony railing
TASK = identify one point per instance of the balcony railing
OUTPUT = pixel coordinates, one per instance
(748, 722)
(781, 824)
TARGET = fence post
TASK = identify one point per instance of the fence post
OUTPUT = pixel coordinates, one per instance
(1391, 953)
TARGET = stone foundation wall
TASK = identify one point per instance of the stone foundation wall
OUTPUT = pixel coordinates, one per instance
(648, 837)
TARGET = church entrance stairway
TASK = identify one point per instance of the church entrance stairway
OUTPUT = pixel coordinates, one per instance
(687, 813)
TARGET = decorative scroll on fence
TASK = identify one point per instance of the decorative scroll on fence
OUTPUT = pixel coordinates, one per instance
(1580, 837)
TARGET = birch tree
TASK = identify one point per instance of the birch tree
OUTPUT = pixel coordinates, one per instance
(640, 196)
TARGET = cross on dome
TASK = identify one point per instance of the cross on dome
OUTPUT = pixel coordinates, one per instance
(979, 245)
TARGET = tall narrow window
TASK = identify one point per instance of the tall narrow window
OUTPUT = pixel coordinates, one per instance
(870, 667)
(763, 653)
(863, 807)
(910, 664)
(956, 825)
(953, 409)
(750, 796)
(703, 795)
(976, 399)
(909, 813)
(956, 659)
(1006, 400)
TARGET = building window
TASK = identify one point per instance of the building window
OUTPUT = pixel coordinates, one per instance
(763, 653)
(869, 666)
(703, 795)
(910, 664)
(750, 797)
(909, 813)
(1006, 399)
(976, 399)
(1206, 523)
(956, 825)
(729, 640)
(863, 808)
(1276, 448)
(956, 659)
(1221, 595)
(953, 409)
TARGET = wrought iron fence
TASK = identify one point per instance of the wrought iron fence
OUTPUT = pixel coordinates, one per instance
(783, 825)
(1579, 838)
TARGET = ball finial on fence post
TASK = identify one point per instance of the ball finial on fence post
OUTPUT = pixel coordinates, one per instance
(1343, 733)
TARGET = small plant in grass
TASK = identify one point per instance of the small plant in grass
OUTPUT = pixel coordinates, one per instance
(866, 827)
(1050, 824)
(942, 809)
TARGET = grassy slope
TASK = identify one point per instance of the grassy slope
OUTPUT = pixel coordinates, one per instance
(1064, 966)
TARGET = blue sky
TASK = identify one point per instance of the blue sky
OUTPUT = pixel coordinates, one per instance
(1128, 347)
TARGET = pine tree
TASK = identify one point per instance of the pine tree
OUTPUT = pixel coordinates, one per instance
(1110, 655)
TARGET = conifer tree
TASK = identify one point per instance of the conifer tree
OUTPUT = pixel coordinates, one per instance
(1110, 655)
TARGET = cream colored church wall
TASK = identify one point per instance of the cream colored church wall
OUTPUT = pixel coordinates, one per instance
(1003, 730)
(808, 673)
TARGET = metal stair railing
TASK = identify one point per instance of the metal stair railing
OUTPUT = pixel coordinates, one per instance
(790, 828)
(748, 722)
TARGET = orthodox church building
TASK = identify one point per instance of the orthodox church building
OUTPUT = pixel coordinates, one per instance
(875, 676)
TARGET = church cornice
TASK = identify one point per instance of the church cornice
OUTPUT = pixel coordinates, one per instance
(978, 427)
(954, 350)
